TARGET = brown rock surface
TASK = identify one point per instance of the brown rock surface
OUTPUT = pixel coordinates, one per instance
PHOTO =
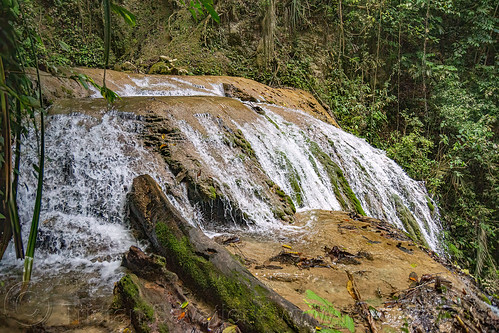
(387, 257)
(63, 87)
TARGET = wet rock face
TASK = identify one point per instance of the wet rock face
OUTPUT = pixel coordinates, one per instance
(253, 158)
(219, 207)
(234, 92)
(395, 284)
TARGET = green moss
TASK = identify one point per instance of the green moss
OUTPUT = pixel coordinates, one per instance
(408, 220)
(273, 122)
(314, 165)
(143, 312)
(278, 213)
(295, 185)
(184, 255)
(291, 204)
(269, 182)
(240, 141)
(293, 178)
(280, 192)
(129, 287)
(348, 191)
(361, 167)
(247, 304)
(283, 196)
(212, 193)
(206, 189)
(431, 207)
(341, 188)
(486, 299)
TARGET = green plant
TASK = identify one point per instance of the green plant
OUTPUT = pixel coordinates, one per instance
(199, 8)
(17, 100)
(328, 316)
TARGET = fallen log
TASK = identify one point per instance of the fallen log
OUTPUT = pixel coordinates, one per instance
(207, 269)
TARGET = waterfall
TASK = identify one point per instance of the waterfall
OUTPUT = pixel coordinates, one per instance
(89, 169)
(382, 187)
(92, 160)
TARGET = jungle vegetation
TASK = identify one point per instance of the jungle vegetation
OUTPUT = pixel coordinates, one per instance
(417, 78)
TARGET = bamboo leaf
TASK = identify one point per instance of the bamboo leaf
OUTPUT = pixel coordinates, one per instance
(30, 250)
(327, 315)
(348, 323)
(83, 80)
(208, 5)
(127, 16)
(108, 94)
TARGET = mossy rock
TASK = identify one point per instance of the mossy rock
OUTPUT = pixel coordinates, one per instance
(208, 269)
(293, 178)
(239, 140)
(430, 204)
(409, 221)
(161, 68)
(288, 205)
(128, 297)
(347, 198)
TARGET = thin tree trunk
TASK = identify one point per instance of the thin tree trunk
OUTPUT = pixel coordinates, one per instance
(491, 33)
(423, 65)
(9, 225)
(398, 72)
(342, 34)
(377, 53)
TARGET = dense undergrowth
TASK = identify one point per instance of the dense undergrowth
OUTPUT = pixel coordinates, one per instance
(416, 78)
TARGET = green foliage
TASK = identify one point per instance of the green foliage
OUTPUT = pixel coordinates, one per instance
(412, 152)
(15, 89)
(125, 14)
(200, 8)
(18, 100)
(326, 313)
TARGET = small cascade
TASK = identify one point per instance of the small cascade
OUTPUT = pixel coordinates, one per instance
(157, 86)
(89, 170)
(284, 153)
(288, 153)
(232, 173)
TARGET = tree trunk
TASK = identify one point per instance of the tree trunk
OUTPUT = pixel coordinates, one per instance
(208, 269)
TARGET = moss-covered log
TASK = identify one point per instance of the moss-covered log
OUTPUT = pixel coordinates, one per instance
(208, 269)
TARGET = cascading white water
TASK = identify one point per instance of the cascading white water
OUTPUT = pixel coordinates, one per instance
(91, 164)
(230, 169)
(283, 150)
(156, 86)
(377, 181)
(89, 169)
